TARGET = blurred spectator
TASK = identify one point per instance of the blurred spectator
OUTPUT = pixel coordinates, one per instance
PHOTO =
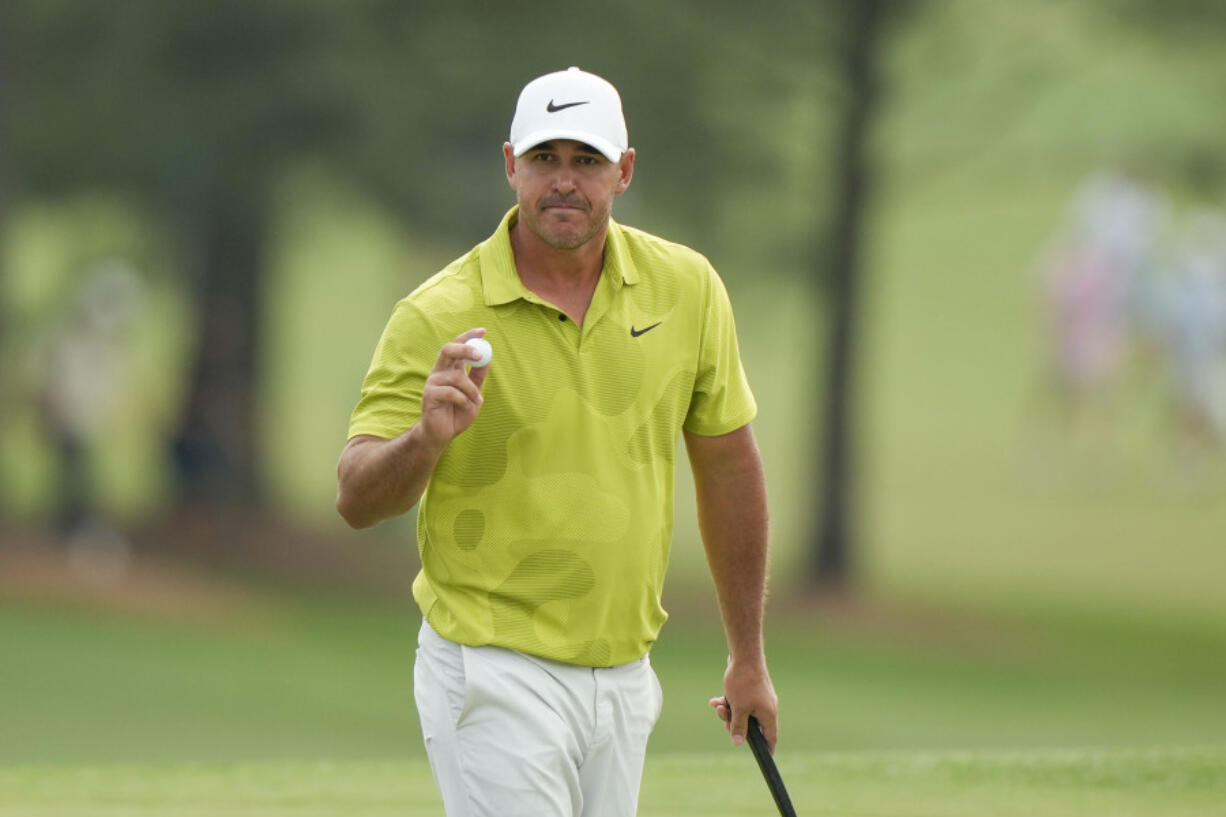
(81, 378)
(1090, 271)
(1195, 309)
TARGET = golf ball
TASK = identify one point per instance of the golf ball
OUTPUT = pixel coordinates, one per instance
(482, 346)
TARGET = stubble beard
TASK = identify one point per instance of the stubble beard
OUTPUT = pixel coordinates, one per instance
(562, 239)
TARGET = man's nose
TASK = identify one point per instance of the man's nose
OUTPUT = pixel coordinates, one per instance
(564, 180)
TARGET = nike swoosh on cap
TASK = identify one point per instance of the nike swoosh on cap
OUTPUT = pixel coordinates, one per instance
(552, 108)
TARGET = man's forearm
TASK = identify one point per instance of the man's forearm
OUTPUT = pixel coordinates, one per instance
(732, 516)
(731, 493)
(378, 479)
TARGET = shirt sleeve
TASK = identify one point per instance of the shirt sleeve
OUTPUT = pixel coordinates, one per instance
(390, 403)
(721, 401)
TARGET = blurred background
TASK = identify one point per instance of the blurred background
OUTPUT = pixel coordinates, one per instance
(978, 260)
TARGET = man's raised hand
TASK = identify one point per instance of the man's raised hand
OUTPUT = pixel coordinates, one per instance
(451, 398)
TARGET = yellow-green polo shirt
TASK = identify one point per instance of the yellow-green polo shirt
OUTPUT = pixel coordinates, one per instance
(546, 525)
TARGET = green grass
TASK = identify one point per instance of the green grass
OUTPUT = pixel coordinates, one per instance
(295, 677)
(1124, 782)
(264, 682)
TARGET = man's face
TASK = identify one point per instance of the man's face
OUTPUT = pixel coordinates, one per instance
(566, 189)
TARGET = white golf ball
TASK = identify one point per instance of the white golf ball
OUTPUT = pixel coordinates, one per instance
(483, 346)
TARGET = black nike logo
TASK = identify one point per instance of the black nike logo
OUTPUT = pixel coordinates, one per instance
(552, 108)
(634, 333)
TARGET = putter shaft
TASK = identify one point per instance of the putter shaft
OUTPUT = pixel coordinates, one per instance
(762, 753)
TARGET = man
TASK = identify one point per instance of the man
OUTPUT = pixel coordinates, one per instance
(546, 477)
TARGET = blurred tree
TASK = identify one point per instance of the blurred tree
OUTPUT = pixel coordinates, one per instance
(7, 364)
(1194, 161)
(1181, 20)
(859, 51)
(190, 110)
(196, 112)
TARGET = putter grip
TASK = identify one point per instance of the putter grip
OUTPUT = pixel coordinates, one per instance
(762, 753)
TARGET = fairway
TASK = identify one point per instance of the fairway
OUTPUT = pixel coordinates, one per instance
(301, 706)
(1132, 783)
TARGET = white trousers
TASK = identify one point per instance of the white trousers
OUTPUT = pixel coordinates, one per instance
(510, 734)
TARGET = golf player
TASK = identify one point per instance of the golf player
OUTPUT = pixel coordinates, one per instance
(546, 477)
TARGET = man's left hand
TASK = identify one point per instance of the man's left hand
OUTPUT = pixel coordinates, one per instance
(748, 691)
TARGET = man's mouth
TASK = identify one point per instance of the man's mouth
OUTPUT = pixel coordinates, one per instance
(562, 204)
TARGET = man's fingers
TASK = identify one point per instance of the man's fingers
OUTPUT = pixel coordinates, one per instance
(748, 690)
(720, 705)
(738, 725)
(770, 728)
(476, 375)
(451, 396)
(452, 386)
(457, 380)
(454, 354)
(739, 728)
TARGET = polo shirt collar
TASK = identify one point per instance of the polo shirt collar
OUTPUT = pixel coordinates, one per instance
(500, 282)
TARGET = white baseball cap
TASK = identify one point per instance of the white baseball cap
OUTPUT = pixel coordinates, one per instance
(570, 104)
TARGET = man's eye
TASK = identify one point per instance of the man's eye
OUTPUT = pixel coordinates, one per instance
(543, 157)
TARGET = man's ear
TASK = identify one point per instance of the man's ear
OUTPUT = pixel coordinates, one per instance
(626, 166)
(508, 153)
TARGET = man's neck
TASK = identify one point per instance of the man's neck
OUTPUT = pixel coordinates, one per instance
(565, 278)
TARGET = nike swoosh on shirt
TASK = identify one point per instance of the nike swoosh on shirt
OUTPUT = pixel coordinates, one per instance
(552, 108)
(634, 333)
